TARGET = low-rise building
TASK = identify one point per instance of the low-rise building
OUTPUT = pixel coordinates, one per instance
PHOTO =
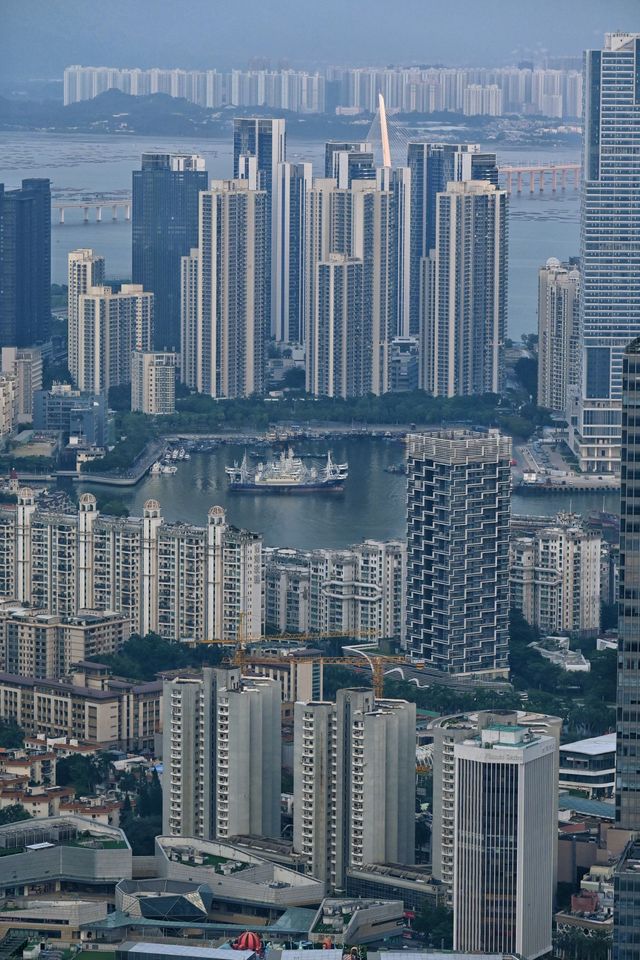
(91, 706)
(357, 921)
(589, 766)
(76, 415)
(236, 876)
(61, 918)
(557, 650)
(34, 643)
(25, 363)
(414, 885)
(52, 855)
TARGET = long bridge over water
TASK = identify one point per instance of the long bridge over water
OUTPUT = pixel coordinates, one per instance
(535, 177)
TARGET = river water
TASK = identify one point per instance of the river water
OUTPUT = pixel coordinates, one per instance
(373, 504)
(541, 226)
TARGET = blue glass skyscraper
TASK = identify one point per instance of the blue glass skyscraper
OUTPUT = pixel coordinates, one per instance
(259, 146)
(165, 228)
(433, 166)
(25, 264)
(610, 245)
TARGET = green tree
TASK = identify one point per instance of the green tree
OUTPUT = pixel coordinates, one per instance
(81, 773)
(526, 370)
(149, 803)
(141, 833)
(13, 814)
(437, 925)
(141, 658)
(11, 735)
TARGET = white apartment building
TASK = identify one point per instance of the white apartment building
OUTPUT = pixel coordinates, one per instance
(222, 755)
(558, 334)
(556, 578)
(85, 270)
(176, 579)
(354, 783)
(153, 382)
(505, 832)
(464, 302)
(359, 590)
(34, 643)
(350, 287)
(110, 327)
(224, 284)
(8, 403)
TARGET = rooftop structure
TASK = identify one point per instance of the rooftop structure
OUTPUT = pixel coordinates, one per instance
(589, 765)
(69, 850)
(235, 875)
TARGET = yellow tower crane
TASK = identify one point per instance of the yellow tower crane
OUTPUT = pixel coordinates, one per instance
(376, 662)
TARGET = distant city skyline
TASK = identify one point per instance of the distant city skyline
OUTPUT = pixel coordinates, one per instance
(45, 38)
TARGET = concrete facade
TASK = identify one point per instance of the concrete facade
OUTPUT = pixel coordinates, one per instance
(221, 748)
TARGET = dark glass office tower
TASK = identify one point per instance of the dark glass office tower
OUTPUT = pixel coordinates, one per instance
(346, 162)
(25, 264)
(165, 228)
(259, 146)
(609, 244)
(433, 166)
(627, 879)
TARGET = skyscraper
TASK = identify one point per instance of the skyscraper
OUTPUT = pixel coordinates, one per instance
(464, 293)
(350, 288)
(558, 334)
(222, 755)
(446, 733)
(85, 270)
(190, 330)
(293, 181)
(263, 140)
(504, 838)
(628, 718)
(335, 337)
(354, 783)
(165, 227)
(610, 244)
(346, 162)
(433, 166)
(458, 508)
(224, 292)
(25, 264)
(627, 891)
(110, 327)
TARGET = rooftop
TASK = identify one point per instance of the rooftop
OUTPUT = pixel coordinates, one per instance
(593, 746)
(177, 950)
(590, 808)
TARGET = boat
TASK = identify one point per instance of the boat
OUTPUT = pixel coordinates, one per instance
(287, 474)
(168, 468)
(156, 469)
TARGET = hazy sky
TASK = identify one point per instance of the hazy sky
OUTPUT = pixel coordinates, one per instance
(39, 37)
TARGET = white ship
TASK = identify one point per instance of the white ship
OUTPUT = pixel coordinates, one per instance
(287, 474)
